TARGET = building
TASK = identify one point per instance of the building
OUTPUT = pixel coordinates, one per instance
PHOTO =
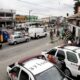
(74, 24)
(21, 19)
(32, 18)
(7, 18)
(49, 21)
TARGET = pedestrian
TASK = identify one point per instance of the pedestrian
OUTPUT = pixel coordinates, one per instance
(58, 33)
(51, 35)
(54, 30)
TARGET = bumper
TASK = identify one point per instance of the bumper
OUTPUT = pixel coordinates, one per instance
(10, 42)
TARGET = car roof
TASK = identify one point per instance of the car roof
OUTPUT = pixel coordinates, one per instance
(73, 48)
(36, 66)
(78, 50)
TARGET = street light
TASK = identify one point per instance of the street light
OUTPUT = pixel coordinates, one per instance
(29, 14)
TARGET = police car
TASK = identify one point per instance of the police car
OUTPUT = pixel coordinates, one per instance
(68, 56)
(35, 69)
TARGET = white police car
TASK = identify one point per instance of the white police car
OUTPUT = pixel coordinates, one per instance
(34, 69)
(70, 56)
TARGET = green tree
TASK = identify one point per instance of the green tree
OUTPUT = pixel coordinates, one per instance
(76, 5)
(77, 0)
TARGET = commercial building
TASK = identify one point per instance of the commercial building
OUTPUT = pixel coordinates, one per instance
(7, 18)
(49, 21)
(74, 23)
(21, 19)
(32, 18)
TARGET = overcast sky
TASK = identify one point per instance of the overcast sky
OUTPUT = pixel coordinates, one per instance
(39, 7)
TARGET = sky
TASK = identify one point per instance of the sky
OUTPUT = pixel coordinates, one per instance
(41, 8)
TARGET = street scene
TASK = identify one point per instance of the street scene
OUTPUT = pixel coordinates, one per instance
(40, 40)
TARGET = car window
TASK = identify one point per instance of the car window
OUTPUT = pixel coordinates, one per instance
(52, 52)
(17, 37)
(60, 55)
(24, 76)
(50, 74)
(16, 71)
(71, 57)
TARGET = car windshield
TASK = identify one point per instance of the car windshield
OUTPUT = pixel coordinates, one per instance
(50, 74)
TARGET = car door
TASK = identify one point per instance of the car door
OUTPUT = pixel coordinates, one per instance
(17, 39)
(60, 55)
(14, 73)
(71, 62)
(24, 76)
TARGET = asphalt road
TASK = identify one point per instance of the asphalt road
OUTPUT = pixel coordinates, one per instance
(10, 54)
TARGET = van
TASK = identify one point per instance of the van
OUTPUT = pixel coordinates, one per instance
(37, 32)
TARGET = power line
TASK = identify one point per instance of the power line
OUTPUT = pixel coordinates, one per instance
(41, 9)
(34, 4)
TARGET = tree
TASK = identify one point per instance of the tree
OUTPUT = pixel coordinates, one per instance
(77, 4)
(77, 0)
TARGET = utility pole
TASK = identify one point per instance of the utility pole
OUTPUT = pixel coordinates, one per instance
(29, 14)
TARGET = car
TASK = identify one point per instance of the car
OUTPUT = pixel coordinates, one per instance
(35, 68)
(68, 57)
(18, 37)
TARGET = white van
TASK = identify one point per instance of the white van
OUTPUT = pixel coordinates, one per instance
(37, 32)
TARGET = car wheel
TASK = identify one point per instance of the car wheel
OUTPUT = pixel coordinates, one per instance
(67, 72)
(38, 37)
(15, 43)
(45, 35)
(27, 40)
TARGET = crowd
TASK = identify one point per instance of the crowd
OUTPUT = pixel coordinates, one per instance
(67, 36)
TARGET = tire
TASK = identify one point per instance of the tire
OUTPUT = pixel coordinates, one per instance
(38, 37)
(45, 35)
(27, 40)
(67, 72)
(15, 43)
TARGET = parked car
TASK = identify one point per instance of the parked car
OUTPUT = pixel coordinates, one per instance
(68, 57)
(35, 69)
(18, 37)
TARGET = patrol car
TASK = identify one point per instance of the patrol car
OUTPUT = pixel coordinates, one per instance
(68, 56)
(34, 69)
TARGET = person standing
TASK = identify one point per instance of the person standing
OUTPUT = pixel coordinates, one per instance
(51, 35)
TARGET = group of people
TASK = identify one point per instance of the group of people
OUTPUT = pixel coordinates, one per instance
(52, 32)
(67, 36)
